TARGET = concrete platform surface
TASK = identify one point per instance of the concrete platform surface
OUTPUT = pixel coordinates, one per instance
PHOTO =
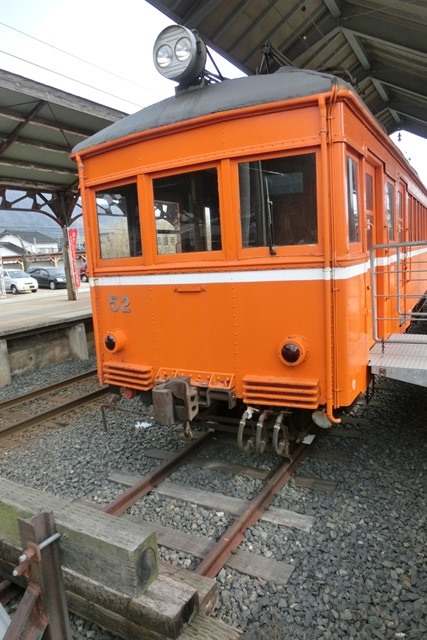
(23, 312)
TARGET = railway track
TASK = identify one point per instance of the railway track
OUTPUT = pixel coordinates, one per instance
(216, 554)
(21, 413)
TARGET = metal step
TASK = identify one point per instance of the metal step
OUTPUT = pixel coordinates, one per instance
(403, 357)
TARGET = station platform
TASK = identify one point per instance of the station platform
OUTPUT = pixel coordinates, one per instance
(37, 329)
(403, 357)
(23, 312)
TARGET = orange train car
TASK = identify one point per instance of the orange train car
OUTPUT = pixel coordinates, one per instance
(228, 233)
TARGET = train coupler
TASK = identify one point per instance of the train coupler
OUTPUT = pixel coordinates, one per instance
(175, 400)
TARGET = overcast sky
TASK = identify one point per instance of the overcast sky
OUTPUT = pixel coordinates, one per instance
(102, 50)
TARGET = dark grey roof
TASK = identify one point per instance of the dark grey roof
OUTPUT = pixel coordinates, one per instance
(12, 247)
(29, 236)
(224, 96)
(381, 43)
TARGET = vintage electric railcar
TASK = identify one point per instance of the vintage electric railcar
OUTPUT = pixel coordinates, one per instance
(228, 231)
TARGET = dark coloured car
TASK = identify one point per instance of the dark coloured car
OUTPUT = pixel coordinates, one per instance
(50, 277)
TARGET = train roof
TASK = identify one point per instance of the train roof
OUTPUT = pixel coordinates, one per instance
(285, 84)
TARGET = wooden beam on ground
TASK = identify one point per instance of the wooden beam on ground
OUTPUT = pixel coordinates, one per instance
(221, 502)
(96, 575)
(243, 561)
(102, 547)
(215, 465)
(161, 613)
(318, 484)
(204, 628)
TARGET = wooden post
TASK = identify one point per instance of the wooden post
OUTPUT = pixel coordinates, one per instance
(47, 573)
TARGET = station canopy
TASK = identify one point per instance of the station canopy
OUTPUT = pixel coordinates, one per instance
(379, 47)
(39, 126)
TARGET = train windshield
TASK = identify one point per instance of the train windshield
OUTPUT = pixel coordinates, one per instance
(118, 222)
(278, 201)
(186, 210)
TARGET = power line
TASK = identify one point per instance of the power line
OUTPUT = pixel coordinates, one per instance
(71, 55)
(68, 78)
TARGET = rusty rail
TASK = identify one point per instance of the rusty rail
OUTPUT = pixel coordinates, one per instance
(38, 393)
(221, 551)
(151, 480)
(53, 413)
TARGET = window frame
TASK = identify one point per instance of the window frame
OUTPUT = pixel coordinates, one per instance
(124, 260)
(188, 257)
(391, 237)
(281, 251)
(356, 245)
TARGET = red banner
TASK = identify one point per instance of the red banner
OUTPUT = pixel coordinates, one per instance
(72, 240)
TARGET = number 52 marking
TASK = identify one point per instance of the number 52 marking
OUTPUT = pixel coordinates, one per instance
(119, 303)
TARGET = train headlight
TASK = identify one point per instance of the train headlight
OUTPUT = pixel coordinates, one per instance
(179, 54)
(293, 350)
(114, 341)
(164, 56)
(183, 49)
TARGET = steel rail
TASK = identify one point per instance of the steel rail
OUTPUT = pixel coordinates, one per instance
(155, 477)
(53, 413)
(38, 393)
(230, 540)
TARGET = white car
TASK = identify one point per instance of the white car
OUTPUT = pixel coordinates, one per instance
(18, 281)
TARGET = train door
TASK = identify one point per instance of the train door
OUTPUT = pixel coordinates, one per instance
(402, 262)
(370, 237)
(379, 214)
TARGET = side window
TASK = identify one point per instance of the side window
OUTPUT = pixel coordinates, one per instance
(118, 222)
(278, 204)
(389, 209)
(186, 210)
(369, 209)
(352, 201)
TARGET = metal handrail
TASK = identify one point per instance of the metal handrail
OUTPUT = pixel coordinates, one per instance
(402, 257)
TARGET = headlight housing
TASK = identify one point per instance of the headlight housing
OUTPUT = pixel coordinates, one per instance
(293, 350)
(179, 54)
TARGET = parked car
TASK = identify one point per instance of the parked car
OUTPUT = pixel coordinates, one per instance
(84, 276)
(18, 281)
(51, 277)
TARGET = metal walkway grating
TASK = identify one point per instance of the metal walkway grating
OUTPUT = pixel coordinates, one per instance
(403, 358)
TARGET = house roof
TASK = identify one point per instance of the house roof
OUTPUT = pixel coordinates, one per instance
(12, 247)
(29, 236)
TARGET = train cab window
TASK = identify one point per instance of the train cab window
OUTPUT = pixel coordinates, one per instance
(352, 201)
(389, 209)
(118, 222)
(186, 210)
(278, 201)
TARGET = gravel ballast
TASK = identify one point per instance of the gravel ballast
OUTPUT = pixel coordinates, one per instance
(358, 573)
